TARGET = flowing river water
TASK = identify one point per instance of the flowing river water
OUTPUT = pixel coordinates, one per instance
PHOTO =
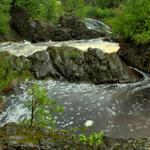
(120, 110)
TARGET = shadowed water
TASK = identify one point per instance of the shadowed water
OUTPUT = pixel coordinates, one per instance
(121, 110)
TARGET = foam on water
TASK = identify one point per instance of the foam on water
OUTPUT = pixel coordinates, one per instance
(26, 48)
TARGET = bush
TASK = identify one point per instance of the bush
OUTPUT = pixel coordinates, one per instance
(98, 13)
(77, 7)
(94, 139)
(4, 16)
(47, 10)
(134, 22)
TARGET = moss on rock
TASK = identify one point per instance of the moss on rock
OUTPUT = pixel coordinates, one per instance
(13, 68)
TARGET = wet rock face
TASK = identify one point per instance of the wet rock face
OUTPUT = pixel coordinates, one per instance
(75, 65)
(135, 56)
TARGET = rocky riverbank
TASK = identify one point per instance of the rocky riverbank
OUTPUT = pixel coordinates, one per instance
(21, 137)
(135, 56)
(65, 63)
(24, 27)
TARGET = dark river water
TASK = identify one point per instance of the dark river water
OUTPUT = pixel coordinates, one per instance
(120, 110)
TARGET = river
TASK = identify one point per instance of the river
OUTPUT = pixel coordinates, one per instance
(120, 110)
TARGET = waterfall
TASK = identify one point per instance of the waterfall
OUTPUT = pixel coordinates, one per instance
(97, 25)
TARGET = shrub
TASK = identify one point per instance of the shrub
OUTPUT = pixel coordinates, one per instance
(134, 22)
(107, 3)
(4, 16)
(93, 139)
(97, 12)
(47, 10)
(77, 7)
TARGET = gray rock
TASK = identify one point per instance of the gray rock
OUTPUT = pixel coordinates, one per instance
(75, 65)
(136, 56)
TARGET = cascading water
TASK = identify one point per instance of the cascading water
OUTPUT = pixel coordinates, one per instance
(97, 25)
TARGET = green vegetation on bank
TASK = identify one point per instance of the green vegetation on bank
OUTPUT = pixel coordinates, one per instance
(128, 18)
(93, 139)
(12, 70)
(4, 16)
(51, 10)
(134, 22)
(47, 10)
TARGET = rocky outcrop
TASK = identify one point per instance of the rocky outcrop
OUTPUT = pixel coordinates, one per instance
(68, 28)
(135, 56)
(75, 65)
(65, 63)
(26, 138)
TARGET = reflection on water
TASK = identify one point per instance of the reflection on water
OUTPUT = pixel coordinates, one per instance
(26, 48)
(121, 110)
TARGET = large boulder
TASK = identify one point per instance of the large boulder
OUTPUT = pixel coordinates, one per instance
(75, 65)
(135, 56)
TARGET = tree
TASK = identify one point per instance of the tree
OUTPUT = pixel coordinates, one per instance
(42, 108)
(134, 22)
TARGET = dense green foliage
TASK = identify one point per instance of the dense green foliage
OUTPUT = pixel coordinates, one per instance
(42, 108)
(48, 10)
(77, 7)
(134, 22)
(93, 139)
(106, 3)
(4, 16)
(99, 13)
(51, 10)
